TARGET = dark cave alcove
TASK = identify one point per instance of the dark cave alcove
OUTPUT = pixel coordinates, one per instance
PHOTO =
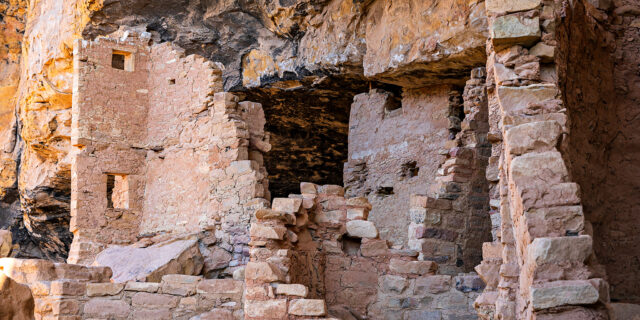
(308, 123)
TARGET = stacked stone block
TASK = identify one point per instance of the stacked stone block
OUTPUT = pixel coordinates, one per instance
(546, 249)
(434, 229)
(269, 292)
(240, 187)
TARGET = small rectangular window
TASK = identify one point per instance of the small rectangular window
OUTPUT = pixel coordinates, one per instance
(122, 60)
(117, 191)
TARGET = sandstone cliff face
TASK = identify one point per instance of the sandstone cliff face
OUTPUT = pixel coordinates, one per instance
(12, 18)
(38, 163)
(290, 46)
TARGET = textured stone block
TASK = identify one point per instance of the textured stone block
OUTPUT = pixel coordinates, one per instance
(331, 217)
(308, 307)
(290, 205)
(501, 6)
(374, 247)
(263, 271)
(67, 288)
(418, 215)
(28, 270)
(142, 286)
(268, 214)
(423, 232)
(40, 288)
(514, 100)
(534, 136)
(104, 289)
(150, 300)
(555, 221)
(275, 232)
(489, 272)
(308, 188)
(538, 169)
(560, 293)
(420, 201)
(545, 52)
(220, 286)
(357, 214)
(560, 249)
(178, 284)
(151, 263)
(331, 189)
(270, 309)
(359, 279)
(413, 267)
(544, 196)
(66, 307)
(292, 290)
(514, 29)
(392, 284)
(107, 308)
(432, 284)
(362, 229)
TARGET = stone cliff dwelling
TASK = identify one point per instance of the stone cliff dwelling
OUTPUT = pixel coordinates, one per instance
(329, 159)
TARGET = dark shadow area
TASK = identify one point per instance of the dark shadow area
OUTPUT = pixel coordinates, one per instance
(604, 144)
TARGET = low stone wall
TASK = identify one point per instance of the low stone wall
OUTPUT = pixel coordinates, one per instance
(74, 292)
(175, 297)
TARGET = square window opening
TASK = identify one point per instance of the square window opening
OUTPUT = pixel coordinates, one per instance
(122, 60)
(117, 191)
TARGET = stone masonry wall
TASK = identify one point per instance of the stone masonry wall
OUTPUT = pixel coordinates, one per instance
(546, 268)
(179, 136)
(450, 222)
(316, 253)
(393, 152)
(194, 164)
(66, 291)
(109, 118)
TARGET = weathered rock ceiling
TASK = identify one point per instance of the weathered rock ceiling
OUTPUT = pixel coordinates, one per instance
(409, 43)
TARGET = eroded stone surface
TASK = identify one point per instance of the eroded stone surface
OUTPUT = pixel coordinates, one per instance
(151, 263)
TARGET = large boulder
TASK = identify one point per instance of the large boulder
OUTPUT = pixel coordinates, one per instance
(177, 256)
(16, 300)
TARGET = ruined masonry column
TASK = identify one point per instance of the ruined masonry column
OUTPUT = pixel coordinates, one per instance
(269, 293)
(546, 268)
